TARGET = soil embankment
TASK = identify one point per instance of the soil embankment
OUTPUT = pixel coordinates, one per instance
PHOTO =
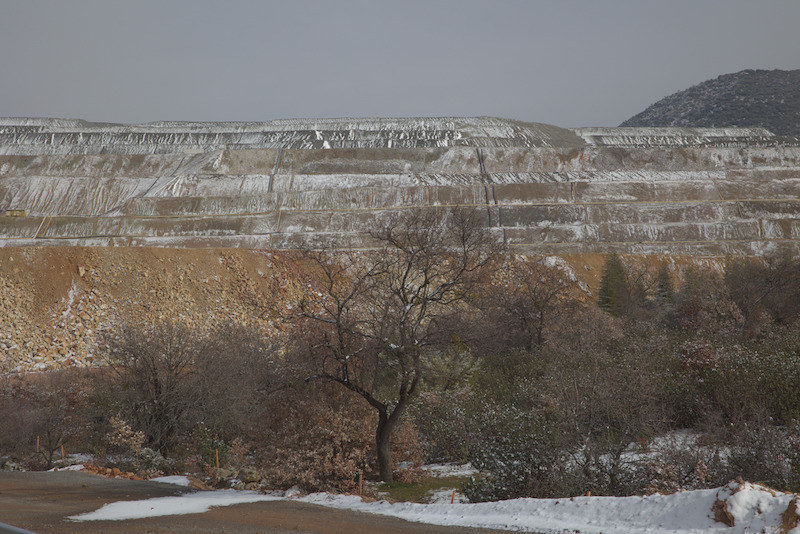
(57, 301)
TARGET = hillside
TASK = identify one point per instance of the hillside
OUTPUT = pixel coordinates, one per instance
(292, 184)
(751, 98)
(198, 220)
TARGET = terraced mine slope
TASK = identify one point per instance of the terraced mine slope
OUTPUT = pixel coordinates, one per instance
(296, 183)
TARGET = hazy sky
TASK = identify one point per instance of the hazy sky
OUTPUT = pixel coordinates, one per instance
(569, 63)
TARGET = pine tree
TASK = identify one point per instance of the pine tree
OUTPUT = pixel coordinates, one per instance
(613, 293)
(666, 289)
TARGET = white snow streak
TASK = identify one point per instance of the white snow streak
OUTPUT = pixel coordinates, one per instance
(753, 507)
(191, 503)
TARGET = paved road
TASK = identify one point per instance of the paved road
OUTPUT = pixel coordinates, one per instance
(40, 502)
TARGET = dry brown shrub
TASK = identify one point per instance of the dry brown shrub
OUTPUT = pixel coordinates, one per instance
(409, 454)
(122, 438)
(317, 437)
(239, 452)
(790, 518)
(43, 413)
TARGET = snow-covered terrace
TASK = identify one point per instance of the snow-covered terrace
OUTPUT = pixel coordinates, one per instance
(290, 183)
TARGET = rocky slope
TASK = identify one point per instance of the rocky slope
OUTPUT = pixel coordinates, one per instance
(104, 223)
(58, 301)
(767, 99)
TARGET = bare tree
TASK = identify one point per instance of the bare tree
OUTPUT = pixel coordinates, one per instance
(382, 315)
(166, 376)
(530, 297)
(153, 367)
(764, 288)
(605, 383)
(49, 410)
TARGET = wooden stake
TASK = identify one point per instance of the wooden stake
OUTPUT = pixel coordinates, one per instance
(360, 480)
(453, 497)
(37, 444)
(216, 454)
(62, 452)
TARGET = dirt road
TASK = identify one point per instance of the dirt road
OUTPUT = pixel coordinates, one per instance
(41, 502)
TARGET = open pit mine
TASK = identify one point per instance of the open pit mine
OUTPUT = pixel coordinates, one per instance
(296, 183)
(188, 219)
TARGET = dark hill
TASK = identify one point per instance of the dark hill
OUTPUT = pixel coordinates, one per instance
(765, 98)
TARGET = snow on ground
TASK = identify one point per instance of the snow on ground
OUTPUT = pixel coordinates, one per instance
(450, 470)
(190, 503)
(752, 508)
(445, 496)
(76, 467)
(176, 479)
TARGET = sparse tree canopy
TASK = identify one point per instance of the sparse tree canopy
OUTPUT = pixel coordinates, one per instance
(381, 316)
(766, 290)
(533, 296)
(170, 376)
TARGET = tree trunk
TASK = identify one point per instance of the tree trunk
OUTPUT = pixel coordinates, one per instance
(386, 423)
(383, 445)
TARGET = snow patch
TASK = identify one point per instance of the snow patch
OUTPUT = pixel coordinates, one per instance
(753, 508)
(175, 479)
(757, 508)
(450, 470)
(77, 467)
(191, 503)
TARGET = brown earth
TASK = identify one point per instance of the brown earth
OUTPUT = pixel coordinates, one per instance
(56, 300)
(42, 501)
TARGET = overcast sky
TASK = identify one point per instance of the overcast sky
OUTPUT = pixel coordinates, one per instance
(569, 63)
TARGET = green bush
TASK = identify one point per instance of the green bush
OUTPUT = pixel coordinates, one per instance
(441, 419)
(520, 454)
(742, 381)
(210, 445)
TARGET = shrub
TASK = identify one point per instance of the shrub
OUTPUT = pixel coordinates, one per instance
(745, 381)
(153, 369)
(164, 377)
(210, 447)
(702, 305)
(122, 441)
(149, 463)
(520, 454)
(682, 462)
(313, 436)
(441, 418)
(40, 414)
(762, 452)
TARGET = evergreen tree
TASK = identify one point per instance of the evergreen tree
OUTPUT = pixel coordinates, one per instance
(613, 294)
(666, 289)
